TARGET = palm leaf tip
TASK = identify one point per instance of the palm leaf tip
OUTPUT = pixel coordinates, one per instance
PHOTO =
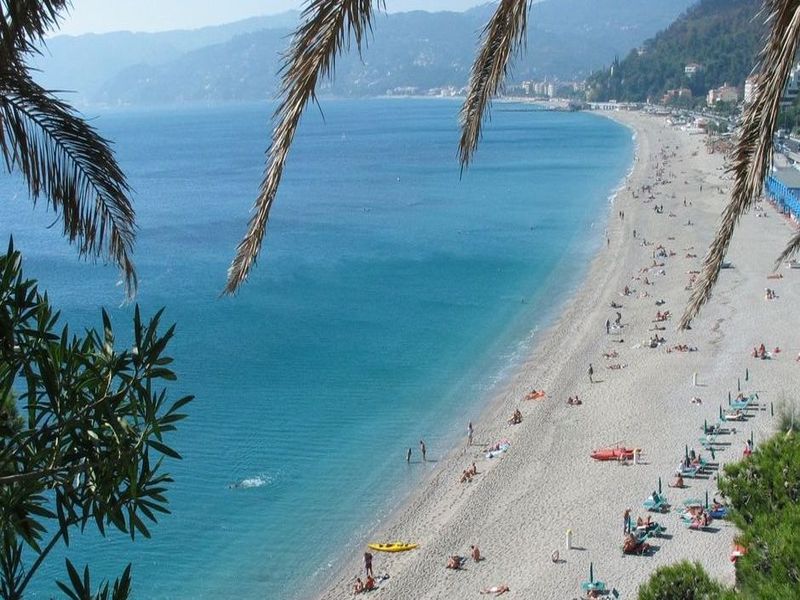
(502, 37)
(753, 153)
(327, 28)
(65, 160)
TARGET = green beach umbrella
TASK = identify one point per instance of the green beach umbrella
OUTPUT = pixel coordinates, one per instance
(746, 374)
(729, 397)
(705, 425)
(706, 498)
(720, 413)
(686, 451)
(591, 572)
(659, 485)
(751, 438)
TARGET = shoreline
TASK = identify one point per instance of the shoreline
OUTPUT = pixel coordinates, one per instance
(504, 372)
(494, 407)
(520, 505)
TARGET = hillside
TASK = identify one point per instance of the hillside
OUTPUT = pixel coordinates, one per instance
(721, 35)
(567, 39)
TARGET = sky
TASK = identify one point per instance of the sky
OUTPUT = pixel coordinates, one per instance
(100, 16)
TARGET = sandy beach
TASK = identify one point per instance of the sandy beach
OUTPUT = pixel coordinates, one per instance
(519, 506)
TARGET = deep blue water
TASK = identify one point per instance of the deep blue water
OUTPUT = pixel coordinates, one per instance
(390, 297)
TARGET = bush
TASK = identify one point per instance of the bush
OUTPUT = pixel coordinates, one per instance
(683, 581)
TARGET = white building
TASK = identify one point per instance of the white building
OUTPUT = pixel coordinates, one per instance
(692, 69)
(749, 89)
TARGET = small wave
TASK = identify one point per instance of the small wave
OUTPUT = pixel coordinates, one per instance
(251, 482)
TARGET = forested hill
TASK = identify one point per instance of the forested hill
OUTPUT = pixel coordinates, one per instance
(724, 36)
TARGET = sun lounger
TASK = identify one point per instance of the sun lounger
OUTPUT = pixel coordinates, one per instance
(660, 504)
(594, 586)
(708, 440)
(744, 404)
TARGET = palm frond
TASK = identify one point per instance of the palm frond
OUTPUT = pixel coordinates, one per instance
(753, 152)
(502, 37)
(24, 24)
(65, 160)
(791, 249)
(326, 29)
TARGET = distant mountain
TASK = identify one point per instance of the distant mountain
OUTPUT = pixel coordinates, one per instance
(722, 36)
(85, 63)
(238, 62)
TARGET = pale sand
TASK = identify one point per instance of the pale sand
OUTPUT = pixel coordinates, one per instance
(520, 505)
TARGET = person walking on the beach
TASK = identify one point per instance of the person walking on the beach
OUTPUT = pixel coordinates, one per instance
(591, 373)
(408, 456)
(368, 563)
(626, 518)
(469, 434)
(422, 449)
(608, 326)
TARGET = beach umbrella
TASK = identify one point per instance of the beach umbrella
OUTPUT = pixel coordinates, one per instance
(729, 397)
(591, 572)
(738, 385)
(771, 410)
(686, 451)
(746, 374)
(705, 425)
(706, 498)
(711, 449)
(720, 413)
(751, 438)
(659, 485)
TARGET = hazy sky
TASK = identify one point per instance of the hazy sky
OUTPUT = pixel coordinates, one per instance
(99, 16)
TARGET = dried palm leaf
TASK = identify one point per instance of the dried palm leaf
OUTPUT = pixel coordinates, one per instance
(753, 152)
(502, 38)
(326, 29)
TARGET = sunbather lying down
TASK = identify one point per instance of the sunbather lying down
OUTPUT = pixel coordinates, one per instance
(456, 562)
(496, 590)
(633, 546)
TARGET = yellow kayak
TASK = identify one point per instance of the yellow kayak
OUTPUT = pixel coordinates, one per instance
(392, 546)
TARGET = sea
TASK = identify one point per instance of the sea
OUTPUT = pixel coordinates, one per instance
(394, 295)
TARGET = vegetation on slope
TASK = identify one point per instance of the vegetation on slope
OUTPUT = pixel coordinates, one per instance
(724, 36)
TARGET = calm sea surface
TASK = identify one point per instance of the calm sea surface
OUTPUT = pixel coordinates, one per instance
(391, 297)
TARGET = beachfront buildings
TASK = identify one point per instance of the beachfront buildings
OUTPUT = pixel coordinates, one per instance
(725, 93)
(792, 89)
(749, 89)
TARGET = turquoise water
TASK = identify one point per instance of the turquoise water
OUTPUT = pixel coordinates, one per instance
(391, 296)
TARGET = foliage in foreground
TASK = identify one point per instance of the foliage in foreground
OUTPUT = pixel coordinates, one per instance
(683, 581)
(87, 446)
(763, 490)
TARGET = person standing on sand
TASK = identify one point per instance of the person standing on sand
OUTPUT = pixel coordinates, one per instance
(469, 434)
(591, 373)
(422, 449)
(408, 456)
(475, 553)
(368, 563)
(626, 521)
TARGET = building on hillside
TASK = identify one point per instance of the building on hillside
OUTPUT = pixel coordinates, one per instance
(792, 89)
(726, 93)
(749, 89)
(672, 95)
(692, 69)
